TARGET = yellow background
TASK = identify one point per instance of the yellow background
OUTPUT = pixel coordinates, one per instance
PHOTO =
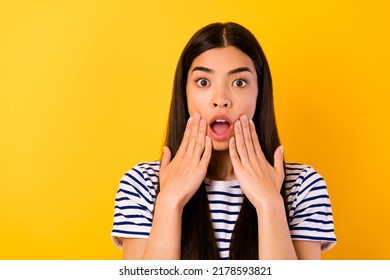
(85, 88)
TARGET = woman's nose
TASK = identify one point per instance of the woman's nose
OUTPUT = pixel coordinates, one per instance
(221, 103)
(221, 99)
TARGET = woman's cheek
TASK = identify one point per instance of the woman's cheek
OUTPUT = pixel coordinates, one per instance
(197, 105)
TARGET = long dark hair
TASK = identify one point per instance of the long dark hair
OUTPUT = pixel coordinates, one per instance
(197, 232)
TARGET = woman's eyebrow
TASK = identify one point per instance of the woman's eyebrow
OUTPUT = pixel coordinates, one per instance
(240, 69)
(231, 72)
(204, 69)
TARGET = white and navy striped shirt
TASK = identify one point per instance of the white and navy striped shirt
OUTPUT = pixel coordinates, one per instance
(310, 213)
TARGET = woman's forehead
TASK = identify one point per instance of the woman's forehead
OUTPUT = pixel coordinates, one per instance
(223, 59)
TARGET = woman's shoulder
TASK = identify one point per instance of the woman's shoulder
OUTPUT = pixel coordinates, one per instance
(293, 167)
(145, 168)
(299, 175)
(143, 174)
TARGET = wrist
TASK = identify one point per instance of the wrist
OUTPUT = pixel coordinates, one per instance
(169, 202)
(270, 205)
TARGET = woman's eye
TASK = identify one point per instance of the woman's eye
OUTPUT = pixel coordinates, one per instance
(239, 83)
(202, 82)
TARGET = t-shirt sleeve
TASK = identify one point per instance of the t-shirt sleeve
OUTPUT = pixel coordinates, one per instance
(310, 214)
(134, 205)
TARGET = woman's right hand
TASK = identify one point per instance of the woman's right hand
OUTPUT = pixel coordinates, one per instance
(181, 177)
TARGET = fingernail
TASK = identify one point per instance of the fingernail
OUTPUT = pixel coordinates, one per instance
(196, 116)
(238, 124)
(244, 118)
(202, 123)
(281, 149)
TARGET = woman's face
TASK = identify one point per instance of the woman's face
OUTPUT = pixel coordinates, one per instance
(222, 86)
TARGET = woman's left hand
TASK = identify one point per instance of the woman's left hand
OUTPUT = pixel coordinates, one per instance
(260, 182)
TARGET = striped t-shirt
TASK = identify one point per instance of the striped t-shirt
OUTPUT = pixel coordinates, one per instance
(310, 213)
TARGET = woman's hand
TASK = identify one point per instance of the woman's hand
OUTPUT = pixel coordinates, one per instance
(179, 180)
(181, 177)
(260, 182)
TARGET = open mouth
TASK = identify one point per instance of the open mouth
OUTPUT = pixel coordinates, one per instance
(220, 128)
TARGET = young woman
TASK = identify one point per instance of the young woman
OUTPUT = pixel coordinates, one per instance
(222, 189)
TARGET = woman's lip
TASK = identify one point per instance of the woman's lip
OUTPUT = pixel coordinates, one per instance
(220, 117)
(220, 137)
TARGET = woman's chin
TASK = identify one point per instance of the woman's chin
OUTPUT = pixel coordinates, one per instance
(220, 145)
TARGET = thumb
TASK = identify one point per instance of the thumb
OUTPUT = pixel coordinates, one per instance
(278, 160)
(166, 157)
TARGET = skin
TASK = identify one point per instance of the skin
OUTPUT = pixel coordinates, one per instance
(221, 81)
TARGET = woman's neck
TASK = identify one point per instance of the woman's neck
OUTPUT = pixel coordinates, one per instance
(220, 167)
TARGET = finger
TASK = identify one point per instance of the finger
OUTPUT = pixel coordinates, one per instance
(186, 136)
(201, 139)
(166, 157)
(204, 161)
(278, 161)
(187, 132)
(247, 136)
(235, 158)
(193, 134)
(255, 140)
(240, 142)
